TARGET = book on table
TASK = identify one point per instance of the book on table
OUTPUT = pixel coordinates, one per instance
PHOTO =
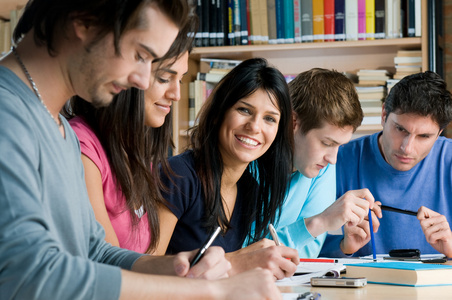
(402, 273)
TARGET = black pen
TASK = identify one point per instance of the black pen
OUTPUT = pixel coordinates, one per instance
(206, 245)
(398, 210)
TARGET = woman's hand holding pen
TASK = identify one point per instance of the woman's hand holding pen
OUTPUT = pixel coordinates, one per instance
(213, 264)
(282, 261)
(436, 230)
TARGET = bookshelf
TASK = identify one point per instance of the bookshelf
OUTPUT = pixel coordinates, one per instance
(7, 5)
(343, 56)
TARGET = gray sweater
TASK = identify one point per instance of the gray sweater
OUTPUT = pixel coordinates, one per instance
(51, 246)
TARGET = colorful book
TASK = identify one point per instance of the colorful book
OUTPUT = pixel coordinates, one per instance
(402, 273)
(255, 23)
(380, 19)
(279, 8)
(271, 19)
(339, 20)
(289, 35)
(318, 28)
(237, 19)
(264, 21)
(230, 27)
(328, 20)
(370, 19)
(297, 20)
(243, 22)
(351, 20)
(362, 20)
(306, 21)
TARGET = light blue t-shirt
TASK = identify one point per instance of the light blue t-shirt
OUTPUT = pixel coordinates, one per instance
(306, 197)
(51, 246)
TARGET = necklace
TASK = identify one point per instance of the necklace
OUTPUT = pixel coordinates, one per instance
(35, 88)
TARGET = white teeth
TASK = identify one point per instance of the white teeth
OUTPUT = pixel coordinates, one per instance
(248, 141)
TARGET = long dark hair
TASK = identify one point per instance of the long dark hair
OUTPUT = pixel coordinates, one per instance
(271, 171)
(132, 147)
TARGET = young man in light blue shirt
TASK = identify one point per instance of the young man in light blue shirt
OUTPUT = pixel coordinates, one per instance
(326, 113)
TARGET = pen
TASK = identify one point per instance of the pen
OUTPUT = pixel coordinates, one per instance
(398, 210)
(372, 238)
(274, 235)
(319, 260)
(206, 245)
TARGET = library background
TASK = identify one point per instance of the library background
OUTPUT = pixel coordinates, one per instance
(374, 42)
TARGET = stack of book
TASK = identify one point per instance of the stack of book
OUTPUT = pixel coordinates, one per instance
(407, 62)
(373, 77)
(199, 90)
(371, 99)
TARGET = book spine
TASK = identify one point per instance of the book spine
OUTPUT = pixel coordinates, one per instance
(243, 22)
(205, 24)
(380, 19)
(279, 5)
(213, 23)
(231, 35)
(191, 104)
(256, 37)
(397, 18)
(220, 22)
(297, 20)
(339, 20)
(237, 26)
(370, 19)
(351, 20)
(306, 21)
(288, 22)
(361, 19)
(318, 20)
(199, 34)
(389, 19)
(271, 19)
(411, 18)
(404, 17)
(263, 21)
(328, 18)
(417, 17)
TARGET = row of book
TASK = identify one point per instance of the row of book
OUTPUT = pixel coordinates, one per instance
(245, 22)
(7, 28)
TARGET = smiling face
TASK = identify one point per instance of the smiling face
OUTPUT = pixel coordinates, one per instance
(406, 139)
(164, 89)
(249, 128)
(98, 74)
(318, 147)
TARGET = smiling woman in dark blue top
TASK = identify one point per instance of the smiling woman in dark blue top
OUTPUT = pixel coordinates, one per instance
(246, 119)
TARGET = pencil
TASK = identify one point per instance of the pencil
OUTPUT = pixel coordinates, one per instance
(372, 237)
(398, 210)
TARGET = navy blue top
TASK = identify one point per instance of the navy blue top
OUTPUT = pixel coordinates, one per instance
(186, 201)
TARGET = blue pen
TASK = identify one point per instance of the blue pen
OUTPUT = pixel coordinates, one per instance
(372, 238)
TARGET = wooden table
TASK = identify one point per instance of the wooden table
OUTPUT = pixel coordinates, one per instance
(375, 291)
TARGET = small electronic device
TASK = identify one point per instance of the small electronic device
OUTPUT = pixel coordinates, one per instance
(405, 253)
(351, 282)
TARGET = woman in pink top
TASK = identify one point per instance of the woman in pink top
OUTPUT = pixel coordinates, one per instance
(123, 189)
